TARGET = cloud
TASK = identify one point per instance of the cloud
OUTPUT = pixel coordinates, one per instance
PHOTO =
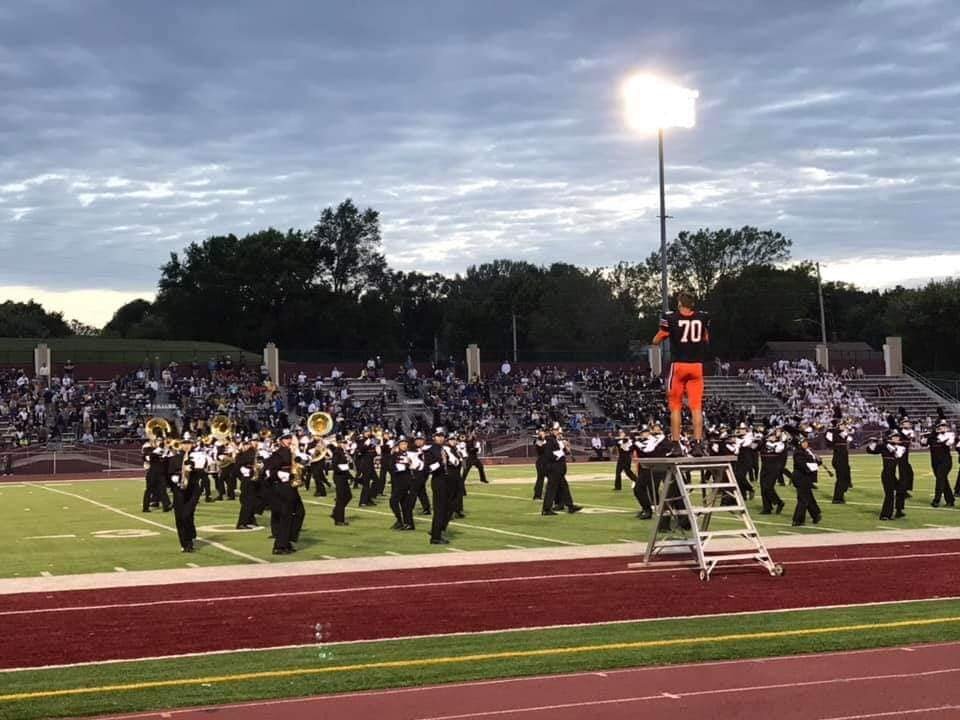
(477, 131)
(93, 307)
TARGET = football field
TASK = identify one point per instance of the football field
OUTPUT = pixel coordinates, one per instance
(61, 528)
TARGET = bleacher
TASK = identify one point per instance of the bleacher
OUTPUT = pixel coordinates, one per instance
(919, 401)
(744, 394)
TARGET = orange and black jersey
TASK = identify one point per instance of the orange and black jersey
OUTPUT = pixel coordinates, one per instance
(689, 335)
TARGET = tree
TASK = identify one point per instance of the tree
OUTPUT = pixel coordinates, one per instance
(697, 261)
(347, 244)
(29, 319)
(79, 328)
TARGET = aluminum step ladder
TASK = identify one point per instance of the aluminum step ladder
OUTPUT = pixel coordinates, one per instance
(681, 524)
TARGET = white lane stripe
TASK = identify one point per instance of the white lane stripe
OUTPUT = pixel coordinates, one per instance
(701, 693)
(559, 678)
(49, 537)
(450, 583)
(895, 713)
(217, 545)
(536, 628)
(458, 523)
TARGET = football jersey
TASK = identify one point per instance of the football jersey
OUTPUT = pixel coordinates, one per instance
(689, 335)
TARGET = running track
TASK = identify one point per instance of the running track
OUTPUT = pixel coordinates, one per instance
(127, 623)
(920, 682)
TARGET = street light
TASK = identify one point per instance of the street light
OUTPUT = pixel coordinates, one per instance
(652, 103)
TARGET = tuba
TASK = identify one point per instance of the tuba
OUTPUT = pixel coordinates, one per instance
(320, 424)
(221, 427)
(157, 427)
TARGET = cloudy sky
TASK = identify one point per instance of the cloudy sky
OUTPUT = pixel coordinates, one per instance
(478, 129)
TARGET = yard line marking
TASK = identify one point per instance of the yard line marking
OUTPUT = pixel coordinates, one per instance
(522, 654)
(453, 549)
(788, 532)
(459, 523)
(49, 537)
(944, 527)
(44, 573)
(217, 545)
(120, 569)
(328, 557)
(517, 547)
(527, 500)
(624, 540)
(193, 565)
(391, 552)
(455, 583)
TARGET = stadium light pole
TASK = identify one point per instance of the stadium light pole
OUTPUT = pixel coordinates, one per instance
(652, 103)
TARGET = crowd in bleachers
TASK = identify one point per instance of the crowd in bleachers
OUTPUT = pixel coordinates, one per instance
(333, 395)
(60, 408)
(504, 401)
(813, 394)
(239, 393)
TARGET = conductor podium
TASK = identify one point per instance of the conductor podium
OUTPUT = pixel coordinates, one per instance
(696, 493)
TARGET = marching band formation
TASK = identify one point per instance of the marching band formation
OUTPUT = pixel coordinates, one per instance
(270, 472)
(761, 457)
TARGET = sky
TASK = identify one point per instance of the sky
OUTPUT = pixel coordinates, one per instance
(479, 130)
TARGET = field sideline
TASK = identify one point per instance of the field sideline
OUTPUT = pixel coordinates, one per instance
(63, 528)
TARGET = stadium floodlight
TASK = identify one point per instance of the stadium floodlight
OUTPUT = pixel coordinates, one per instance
(652, 103)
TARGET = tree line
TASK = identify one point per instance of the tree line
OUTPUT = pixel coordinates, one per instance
(327, 293)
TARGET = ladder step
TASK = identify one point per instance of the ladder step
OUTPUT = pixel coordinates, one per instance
(709, 486)
(728, 533)
(758, 555)
(703, 510)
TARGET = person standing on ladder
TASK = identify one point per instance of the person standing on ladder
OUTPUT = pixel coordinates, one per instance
(688, 330)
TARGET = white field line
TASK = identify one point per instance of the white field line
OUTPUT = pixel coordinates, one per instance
(896, 713)
(461, 524)
(562, 678)
(679, 695)
(44, 573)
(217, 545)
(49, 537)
(444, 583)
(120, 569)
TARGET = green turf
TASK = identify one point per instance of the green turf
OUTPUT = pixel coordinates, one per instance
(499, 516)
(701, 633)
(93, 349)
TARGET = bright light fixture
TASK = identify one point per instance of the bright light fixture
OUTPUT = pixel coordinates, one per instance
(653, 103)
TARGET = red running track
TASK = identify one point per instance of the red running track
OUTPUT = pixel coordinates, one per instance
(127, 623)
(920, 681)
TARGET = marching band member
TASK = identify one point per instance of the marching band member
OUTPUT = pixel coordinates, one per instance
(838, 439)
(804, 476)
(538, 444)
(435, 460)
(249, 485)
(773, 459)
(625, 451)
(366, 476)
(894, 493)
(455, 486)
(904, 467)
(155, 465)
(419, 489)
(558, 490)
(473, 448)
(402, 463)
(941, 442)
(340, 464)
(185, 488)
(385, 446)
(286, 507)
